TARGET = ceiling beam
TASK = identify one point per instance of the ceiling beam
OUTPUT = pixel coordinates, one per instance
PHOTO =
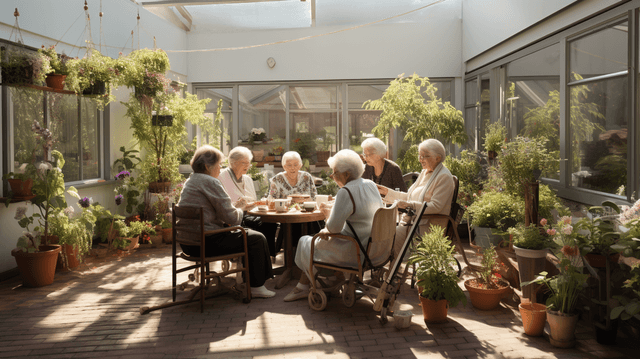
(198, 2)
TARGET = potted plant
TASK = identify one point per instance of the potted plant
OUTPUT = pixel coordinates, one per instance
(487, 288)
(436, 277)
(328, 139)
(21, 181)
(127, 189)
(21, 66)
(257, 135)
(531, 247)
(94, 74)
(494, 139)
(304, 144)
(144, 71)
(36, 262)
(127, 235)
(275, 155)
(597, 233)
(59, 67)
(494, 211)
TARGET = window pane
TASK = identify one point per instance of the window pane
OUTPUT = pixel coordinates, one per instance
(485, 106)
(27, 107)
(599, 135)
(600, 53)
(361, 121)
(470, 126)
(471, 92)
(532, 99)
(90, 139)
(63, 123)
(262, 106)
(313, 98)
(311, 132)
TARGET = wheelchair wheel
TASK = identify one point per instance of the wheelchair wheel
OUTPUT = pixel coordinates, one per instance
(225, 266)
(317, 300)
(349, 294)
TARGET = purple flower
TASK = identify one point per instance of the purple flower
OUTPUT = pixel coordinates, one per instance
(119, 199)
(123, 174)
(85, 202)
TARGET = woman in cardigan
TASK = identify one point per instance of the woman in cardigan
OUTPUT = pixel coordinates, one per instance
(357, 208)
(379, 169)
(434, 185)
(292, 180)
(203, 189)
(234, 178)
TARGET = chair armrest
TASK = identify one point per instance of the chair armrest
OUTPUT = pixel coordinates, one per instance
(222, 230)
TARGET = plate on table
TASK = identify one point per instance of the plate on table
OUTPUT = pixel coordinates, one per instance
(262, 208)
(299, 198)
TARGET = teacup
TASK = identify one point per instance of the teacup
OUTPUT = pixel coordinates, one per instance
(281, 205)
(309, 206)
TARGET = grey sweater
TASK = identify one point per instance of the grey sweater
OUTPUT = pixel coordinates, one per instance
(202, 190)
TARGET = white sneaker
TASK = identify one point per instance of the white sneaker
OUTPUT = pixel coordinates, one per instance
(296, 294)
(261, 292)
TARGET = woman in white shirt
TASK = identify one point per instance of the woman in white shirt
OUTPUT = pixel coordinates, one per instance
(358, 209)
(235, 179)
(434, 185)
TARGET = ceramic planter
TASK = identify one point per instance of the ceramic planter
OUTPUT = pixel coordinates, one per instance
(434, 311)
(485, 298)
(534, 318)
(530, 263)
(37, 269)
(484, 237)
(562, 329)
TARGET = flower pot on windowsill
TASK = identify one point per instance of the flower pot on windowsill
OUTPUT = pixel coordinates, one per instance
(21, 188)
(56, 81)
(37, 269)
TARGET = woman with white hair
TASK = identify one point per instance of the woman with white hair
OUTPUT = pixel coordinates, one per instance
(292, 180)
(380, 170)
(235, 179)
(434, 185)
(356, 203)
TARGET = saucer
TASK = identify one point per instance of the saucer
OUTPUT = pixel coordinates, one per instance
(262, 208)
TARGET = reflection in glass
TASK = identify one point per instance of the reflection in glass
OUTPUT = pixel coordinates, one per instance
(312, 132)
(532, 100)
(63, 123)
(485, 106)
(600, 53)
(90, 139)
(598, 131)
(471, 92)
(262, 106)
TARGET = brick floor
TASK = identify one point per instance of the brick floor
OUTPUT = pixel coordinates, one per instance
(93, 311)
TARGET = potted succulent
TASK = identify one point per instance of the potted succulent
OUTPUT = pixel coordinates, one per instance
(21, 66)
(436, 276)
(59, 67)
(487, 288)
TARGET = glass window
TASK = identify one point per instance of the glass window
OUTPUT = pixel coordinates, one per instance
(313, 98)
(262, 106)
(26, 107)
(361, 121)
(485, 106)
(600, 53)
(598, 129)
(471, 92)
(90, 138)
(533, 100)
(217, 94)
(471, 111)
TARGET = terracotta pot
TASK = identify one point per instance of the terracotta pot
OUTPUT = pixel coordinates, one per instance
(21, 188)
(69, 257)
(562, 329)
(534, 317)
(600, 261)
(159, 187)
(56, 82)
(434, 311)
(530, 263)
(258, 155)
(37, 269)
(484, 298)
(167, 235)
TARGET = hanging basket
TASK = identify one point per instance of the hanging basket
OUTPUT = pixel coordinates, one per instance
(98, 88)
(162, 120)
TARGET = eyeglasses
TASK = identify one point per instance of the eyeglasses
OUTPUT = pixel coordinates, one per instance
(246, 164)
(421, 157)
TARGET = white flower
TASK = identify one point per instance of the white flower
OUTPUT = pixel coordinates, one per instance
(20, 212)
(43, 166)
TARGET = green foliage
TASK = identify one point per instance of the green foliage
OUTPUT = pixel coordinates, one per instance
(136, 66)
(496, 210)
(28, 243)
(522, 161)
(329, 186)
(548, 201)
(467, 169)
(304, 143)
(48, 187)
(21, 66)
(127, 162)
(565, 287)
(489, 265)
(598, 232)
(130, 189)
(90, 70)
(433, 257)
(210, 129)
(495, 137)
(59, 64)
(629, 303)
(411, 103)
(529, 237)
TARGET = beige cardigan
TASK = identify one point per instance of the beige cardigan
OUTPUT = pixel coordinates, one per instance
(437, 195)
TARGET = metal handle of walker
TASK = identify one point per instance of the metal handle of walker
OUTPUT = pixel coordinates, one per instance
(392, 283)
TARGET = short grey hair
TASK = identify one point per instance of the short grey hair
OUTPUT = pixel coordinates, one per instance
(239, 153)
(205, 156)
(291, 155)
(433, 146)
(347, 161)
(376, 144)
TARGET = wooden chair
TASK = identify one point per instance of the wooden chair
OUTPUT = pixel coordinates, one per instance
(383, 233)
(453, 219)
(188, 228)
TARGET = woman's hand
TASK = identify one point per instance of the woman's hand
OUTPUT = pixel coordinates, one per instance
(325, 208)
(323, 234)
(382, 189)
(240, 203)
(402, 204)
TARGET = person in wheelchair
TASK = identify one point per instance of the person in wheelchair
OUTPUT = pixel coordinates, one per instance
(435, 186)
(353, 210)
(204, 189)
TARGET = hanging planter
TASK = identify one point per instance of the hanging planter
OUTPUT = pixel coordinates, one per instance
(97, 88)
(162, 120)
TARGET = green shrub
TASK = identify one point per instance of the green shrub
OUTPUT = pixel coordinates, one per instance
(496, 210)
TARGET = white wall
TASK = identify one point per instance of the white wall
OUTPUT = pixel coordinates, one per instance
(428, 43)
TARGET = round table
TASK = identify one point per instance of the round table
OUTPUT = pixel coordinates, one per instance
(285, 219)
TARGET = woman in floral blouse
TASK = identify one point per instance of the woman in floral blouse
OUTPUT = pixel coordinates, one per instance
(292, 180)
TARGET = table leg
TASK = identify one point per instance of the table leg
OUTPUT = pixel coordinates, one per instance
(288, 257)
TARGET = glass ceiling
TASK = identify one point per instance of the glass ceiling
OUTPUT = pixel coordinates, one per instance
(246, 15)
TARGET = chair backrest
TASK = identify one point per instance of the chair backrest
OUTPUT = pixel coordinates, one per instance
(383, 231)
(188, 223)
(456, 209)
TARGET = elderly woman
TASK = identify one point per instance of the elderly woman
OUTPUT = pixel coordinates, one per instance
(234, 178)
(356, 203)
(379, 169)
(434, 185)
(292, 180)
(203, 189)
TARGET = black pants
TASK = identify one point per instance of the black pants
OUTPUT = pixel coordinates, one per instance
(231, 242)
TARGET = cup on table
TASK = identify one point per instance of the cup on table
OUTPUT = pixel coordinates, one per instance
(309, 206)
(271, 203)
(280, 205)
(321, 198)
